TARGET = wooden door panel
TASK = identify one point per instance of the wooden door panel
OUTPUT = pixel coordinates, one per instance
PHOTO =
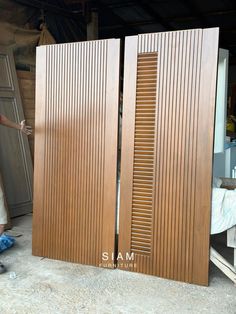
(166, 164)
(15, 160)
(18, 190)
(6, 81)
(77, 88)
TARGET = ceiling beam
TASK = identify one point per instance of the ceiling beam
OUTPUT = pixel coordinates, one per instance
(206, 14)
(55, 9)
(118, 5)
(129, 24)
(156, 16)
(121, 22)
(152, 21)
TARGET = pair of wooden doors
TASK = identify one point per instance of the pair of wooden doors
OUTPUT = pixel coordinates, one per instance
(166, 155)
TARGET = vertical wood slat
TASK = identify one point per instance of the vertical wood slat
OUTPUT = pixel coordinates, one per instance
(128, 129)
(110, 156)
(205, 156)
(76, 151)
(40, 113)
(185, 100)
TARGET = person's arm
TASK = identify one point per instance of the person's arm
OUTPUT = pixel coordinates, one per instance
(18, 126)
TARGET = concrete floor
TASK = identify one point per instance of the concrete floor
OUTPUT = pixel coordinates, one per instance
(48, 286)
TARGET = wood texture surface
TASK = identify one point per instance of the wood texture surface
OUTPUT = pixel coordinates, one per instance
(15, 160)
(144, 144)
(77, 89)
(171, 123)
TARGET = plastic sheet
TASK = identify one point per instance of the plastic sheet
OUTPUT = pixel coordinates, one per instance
(6, 242)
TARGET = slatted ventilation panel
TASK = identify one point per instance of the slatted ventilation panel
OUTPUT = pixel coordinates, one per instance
(144, 145)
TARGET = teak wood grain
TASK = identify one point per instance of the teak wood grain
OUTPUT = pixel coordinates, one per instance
(77, 92)
(166, 155)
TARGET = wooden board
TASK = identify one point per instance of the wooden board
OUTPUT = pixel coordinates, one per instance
(77, 92)
(15, 159)
(167, 148)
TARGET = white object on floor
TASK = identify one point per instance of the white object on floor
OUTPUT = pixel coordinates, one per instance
(12, 275)
(223, 215)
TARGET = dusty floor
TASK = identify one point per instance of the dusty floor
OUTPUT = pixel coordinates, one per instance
(48, 286)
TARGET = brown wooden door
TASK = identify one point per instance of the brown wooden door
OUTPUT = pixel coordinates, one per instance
(167, 147)
(77, 89)
(15, 160)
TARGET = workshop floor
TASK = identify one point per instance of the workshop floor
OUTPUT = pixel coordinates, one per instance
(36, 285)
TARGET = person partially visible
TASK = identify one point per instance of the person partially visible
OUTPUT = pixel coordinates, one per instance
(3, 213)
(18, 126)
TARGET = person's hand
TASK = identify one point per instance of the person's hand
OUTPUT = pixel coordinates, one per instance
(25, 128)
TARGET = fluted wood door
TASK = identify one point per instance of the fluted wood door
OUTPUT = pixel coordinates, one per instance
(77, 88)
(167, 149)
